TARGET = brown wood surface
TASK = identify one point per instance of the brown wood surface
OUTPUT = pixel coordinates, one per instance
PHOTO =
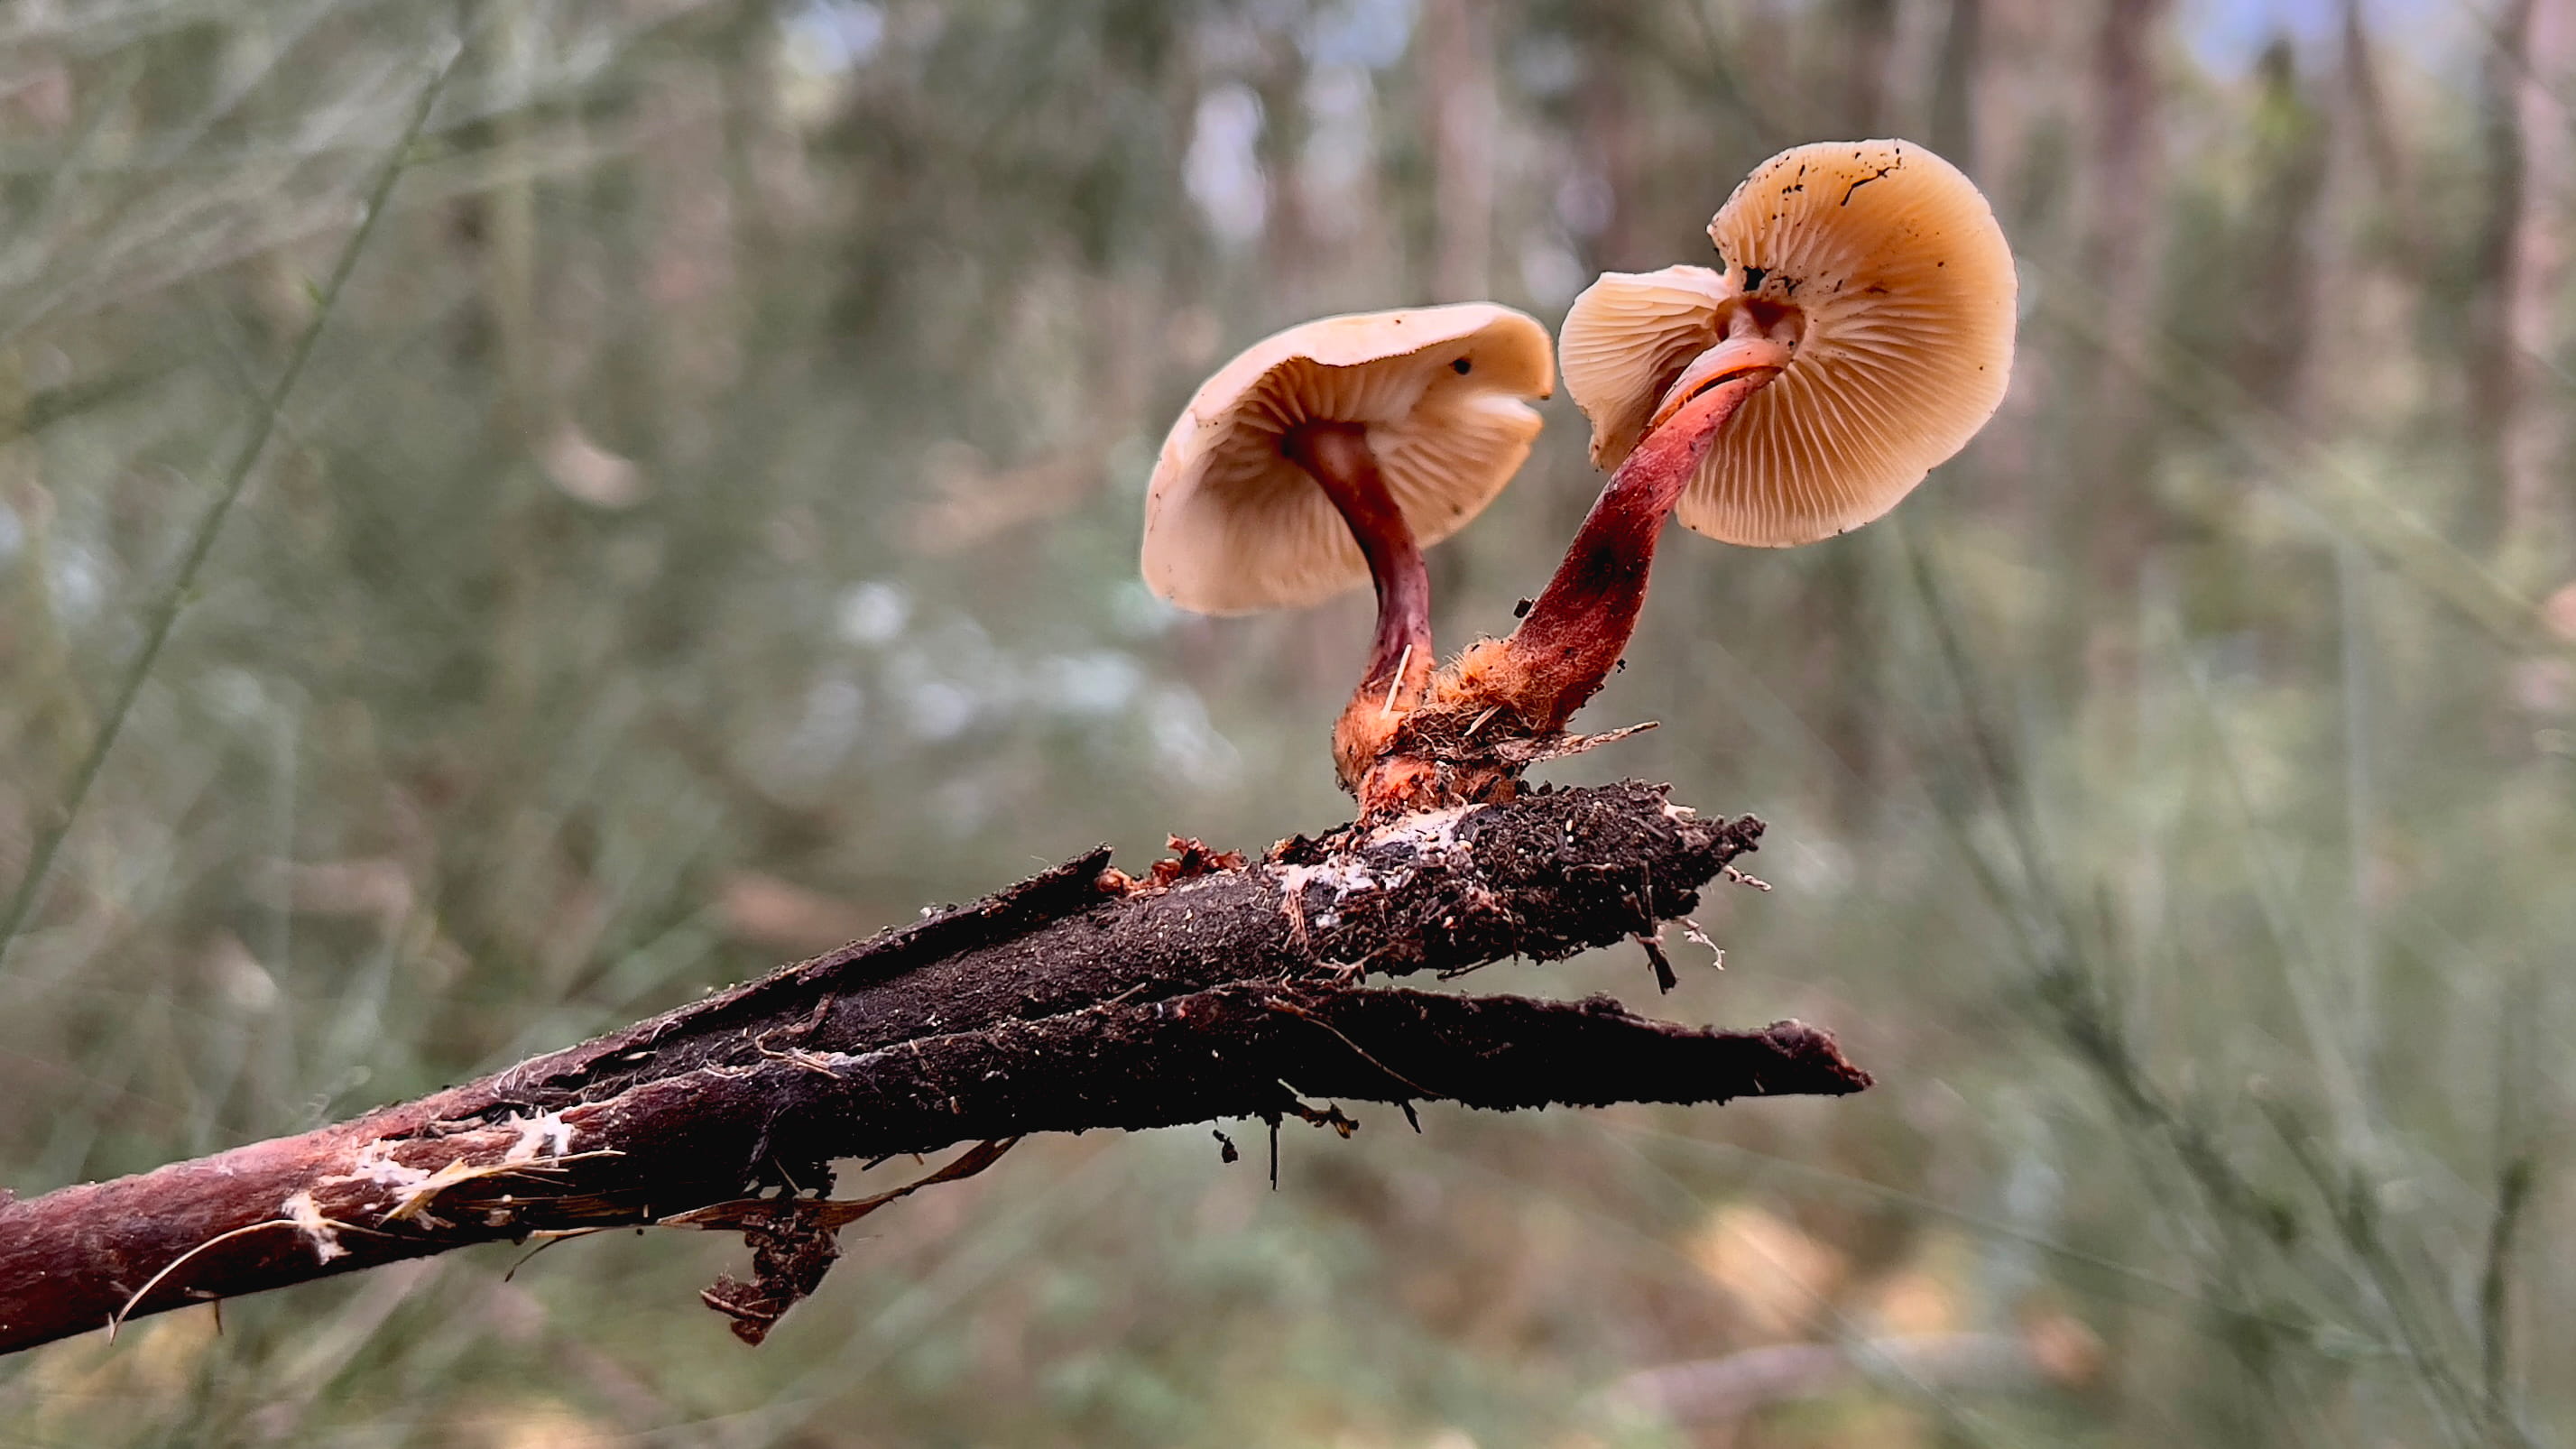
(1074, 1000)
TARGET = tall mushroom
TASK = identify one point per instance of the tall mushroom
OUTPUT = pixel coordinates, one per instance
(1859, 332)
(1334, 452)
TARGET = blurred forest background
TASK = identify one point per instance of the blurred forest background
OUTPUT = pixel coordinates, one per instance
(707, 531)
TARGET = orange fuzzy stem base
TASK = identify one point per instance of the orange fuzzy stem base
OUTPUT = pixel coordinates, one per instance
(1502, 704)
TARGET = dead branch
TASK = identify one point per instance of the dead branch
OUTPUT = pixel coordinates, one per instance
(1078, 999)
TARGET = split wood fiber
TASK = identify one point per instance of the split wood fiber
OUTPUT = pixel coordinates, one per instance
(1077, 999)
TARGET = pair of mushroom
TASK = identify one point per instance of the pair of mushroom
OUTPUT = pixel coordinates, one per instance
(1857, 332)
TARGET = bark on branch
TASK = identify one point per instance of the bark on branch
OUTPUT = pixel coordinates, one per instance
(1075, 1000)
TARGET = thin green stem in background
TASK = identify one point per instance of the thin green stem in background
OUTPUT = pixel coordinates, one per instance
(164, 614)
(2495, 1284)
(2100, 1042)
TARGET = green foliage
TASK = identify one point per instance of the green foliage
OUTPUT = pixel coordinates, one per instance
(706, 530)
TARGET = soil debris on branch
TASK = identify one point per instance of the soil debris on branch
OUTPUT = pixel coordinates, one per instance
(1077, 999)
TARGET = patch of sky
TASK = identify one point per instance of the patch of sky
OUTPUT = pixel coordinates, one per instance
(938, 709)
(2228, 36)
(1341, 142)
(873, 614)
(1370, 33)
(1547, 64)
(1091, 685)
(834, 37)
(1222, 170)
(79, 584)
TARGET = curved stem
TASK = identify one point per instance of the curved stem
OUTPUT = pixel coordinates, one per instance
(1580, 625)
(1338, 457)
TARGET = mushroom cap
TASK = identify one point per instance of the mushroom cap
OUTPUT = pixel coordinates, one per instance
(1904, 292)
(1232, 525)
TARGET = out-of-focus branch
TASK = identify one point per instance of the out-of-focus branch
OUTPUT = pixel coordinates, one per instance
(1724, 1390)
(1078, 999)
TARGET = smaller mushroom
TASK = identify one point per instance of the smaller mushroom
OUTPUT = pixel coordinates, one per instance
(1860, 333)
(1333, 453)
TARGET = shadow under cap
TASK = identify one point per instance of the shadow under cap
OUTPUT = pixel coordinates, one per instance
(1233, 526)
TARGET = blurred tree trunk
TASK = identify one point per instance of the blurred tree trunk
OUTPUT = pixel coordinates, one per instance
(2276, 272)
(1954, 85)
(1290, 240)
(2367, 122)
(1458, 53)
(2113, 510)
(1609, 147)
(2120, 246)
(1870, 30)
(1839, 588)
(2520, 265)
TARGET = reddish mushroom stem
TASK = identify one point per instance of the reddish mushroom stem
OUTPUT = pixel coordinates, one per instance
(1580, 625)
(1338, 457)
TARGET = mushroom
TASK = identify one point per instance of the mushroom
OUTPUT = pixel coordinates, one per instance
(1333, 453)
(1860, 332)
(1882, 269)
